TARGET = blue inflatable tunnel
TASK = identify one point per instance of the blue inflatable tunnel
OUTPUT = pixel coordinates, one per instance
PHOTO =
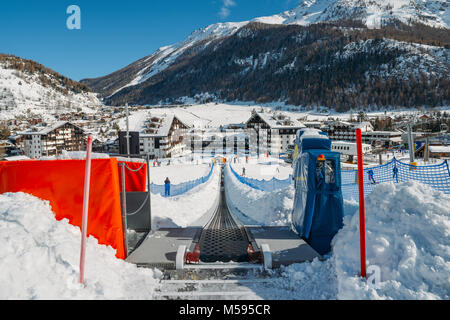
(318, 205)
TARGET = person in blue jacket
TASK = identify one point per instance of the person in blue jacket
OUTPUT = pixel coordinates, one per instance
(395, 171)
(370, 173)
(167, 187)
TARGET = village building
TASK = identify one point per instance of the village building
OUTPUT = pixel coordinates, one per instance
(274, 131)
(45, 140)
(164, 137)
(346, 131)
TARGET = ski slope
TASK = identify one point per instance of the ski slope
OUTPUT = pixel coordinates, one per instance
(407, 231)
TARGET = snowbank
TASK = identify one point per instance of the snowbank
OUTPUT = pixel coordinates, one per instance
(186, 209)
(259, 207)
(408, 239)
(39, 258)
(75, 155)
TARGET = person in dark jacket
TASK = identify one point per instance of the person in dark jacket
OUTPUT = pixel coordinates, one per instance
(167, 187)
(371, 178)
(395, 171)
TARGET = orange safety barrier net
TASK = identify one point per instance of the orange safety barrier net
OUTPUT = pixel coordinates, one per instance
(134, 181)
(61, 182)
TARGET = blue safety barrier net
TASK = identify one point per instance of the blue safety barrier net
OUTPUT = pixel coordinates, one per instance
(437, 176)
(178, 189)
(263, 185)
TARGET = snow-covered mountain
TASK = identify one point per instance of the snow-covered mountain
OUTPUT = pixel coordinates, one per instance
(373, 13)
(140, 78)
(28, 88)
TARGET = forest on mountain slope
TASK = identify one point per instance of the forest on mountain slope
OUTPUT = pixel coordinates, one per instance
(309, 66)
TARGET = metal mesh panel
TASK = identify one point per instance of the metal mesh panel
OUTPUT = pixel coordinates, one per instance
(223, 245)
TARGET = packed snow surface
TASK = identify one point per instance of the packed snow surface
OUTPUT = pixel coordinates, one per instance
(186, 209)
(263, 170)
(254, 206)
(178, 173)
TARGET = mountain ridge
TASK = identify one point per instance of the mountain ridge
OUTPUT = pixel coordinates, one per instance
(151, 70)
(28, 88)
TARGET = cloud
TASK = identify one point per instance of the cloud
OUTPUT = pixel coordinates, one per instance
(225, 10)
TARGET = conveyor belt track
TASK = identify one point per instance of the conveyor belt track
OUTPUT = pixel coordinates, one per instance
(223, 240)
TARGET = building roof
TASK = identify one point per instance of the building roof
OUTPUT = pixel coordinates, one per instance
(347, 143)
(387, 133)
(44, 130)
(278, 120)
(163, 128)
(439, 149)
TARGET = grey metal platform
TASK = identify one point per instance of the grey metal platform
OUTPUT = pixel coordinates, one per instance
(159, 249)
(286, 247)
(223, 239)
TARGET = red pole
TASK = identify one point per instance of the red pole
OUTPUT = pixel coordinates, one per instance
(362, 225)
(87, 180)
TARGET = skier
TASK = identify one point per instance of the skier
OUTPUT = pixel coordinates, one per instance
(395, 171)
(167, 187)
(243, 171)
(370, 173)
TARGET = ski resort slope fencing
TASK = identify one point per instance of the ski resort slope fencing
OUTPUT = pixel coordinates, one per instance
(437, 176)
(178, 189)
(263, 185)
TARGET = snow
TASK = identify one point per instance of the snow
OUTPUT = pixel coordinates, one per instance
(208, 115)
(178, 173)
(440, 149)
(255, 207)
(407, 232)
(263, 168)
(372, 12)
(418, 58)
(407, 237)
(39, 258)
(186, 209)
(165, 56)
(22, 94)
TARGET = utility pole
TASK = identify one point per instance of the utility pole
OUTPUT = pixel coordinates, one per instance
(411, 144)
(426, 154)
(149, 191)
(128, 131)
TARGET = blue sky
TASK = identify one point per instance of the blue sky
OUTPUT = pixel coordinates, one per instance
(113, 33)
